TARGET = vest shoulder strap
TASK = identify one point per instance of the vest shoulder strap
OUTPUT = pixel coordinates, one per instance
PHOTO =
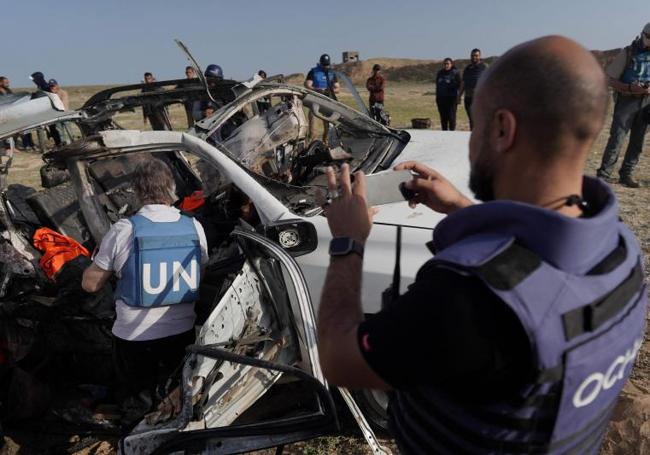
(139, 220)
(499, 260)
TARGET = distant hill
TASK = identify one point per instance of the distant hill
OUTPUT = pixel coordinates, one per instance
(414, 70)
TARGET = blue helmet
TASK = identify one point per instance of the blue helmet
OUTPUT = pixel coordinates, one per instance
(214, 71)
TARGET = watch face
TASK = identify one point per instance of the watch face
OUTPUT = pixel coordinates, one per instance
(340, 245)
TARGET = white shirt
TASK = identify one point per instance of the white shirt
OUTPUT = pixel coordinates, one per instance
(139, 324)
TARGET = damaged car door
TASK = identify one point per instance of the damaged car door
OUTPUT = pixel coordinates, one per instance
(252, 380)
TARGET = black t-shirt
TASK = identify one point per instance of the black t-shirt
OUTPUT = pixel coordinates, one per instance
(471, 75)
(450, 331)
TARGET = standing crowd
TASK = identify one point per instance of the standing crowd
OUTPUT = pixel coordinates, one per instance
(61, 101)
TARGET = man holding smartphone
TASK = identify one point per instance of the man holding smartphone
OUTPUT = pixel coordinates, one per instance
(519, 334)
(629, 76)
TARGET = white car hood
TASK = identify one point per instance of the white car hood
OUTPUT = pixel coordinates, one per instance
(445, 151)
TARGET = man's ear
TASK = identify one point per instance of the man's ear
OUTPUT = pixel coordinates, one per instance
(504, 129)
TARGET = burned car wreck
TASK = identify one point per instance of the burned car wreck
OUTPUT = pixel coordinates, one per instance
(256, 340)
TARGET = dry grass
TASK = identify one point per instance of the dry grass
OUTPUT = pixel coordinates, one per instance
(406, 101)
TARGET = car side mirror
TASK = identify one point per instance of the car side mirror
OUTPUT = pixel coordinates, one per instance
(297, 237)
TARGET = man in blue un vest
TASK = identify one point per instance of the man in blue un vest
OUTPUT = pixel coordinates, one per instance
(157, 256)
(322, 79)
(629, 76)
(520, 332)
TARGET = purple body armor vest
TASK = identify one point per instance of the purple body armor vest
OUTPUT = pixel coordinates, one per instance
(577, 288)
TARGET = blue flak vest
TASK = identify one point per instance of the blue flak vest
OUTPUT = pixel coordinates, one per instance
(164, 267)
(638, 68)
(320, 77)
(577, 287)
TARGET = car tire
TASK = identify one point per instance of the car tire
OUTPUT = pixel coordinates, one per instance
(373, 405)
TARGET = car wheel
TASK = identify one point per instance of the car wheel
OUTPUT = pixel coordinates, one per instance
(374, 405)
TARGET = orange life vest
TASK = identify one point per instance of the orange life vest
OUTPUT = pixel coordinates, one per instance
(57, 250)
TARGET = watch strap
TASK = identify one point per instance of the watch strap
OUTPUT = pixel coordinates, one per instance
(342, 246)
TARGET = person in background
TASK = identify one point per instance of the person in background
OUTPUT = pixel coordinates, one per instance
(375, 85)
(154, 303)
(38, 79)
(157, 115)
(27, 142)
(519, 334)
(323, 80)
(629, 76)
(65, 99)
(447, 87)
(4, 86)
(6, 150)
(471, 75)
(213, 73)
(262, 74)
(208, 109)
(54, 87)
(190, 79)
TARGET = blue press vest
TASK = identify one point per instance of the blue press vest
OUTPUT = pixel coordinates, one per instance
(585, 326)
(164, 267)
(320, 78)
(638, 69)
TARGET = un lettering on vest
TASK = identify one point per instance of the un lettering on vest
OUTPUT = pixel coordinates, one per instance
(596, 382)
(178, 273)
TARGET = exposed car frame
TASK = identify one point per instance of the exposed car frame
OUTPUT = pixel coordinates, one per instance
(275, 217)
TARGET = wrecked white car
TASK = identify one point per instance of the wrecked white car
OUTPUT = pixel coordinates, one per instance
(252, 380)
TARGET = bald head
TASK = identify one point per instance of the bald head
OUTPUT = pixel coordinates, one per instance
(555, 89)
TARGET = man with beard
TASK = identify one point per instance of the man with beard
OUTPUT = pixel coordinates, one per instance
(471, 75)
(519, 334)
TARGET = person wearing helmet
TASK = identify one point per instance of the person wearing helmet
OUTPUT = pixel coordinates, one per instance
(629, 76)
(323, 80)
(38, 78)
(214, 71)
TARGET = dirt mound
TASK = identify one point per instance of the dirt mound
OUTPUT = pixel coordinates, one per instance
(629, 429)
(414, 70)
(360, 71)
(295, 78)
(605, 57)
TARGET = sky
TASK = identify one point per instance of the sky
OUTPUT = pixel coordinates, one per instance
(90, 42)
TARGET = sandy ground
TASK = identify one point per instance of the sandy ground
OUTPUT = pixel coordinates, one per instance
(630, 428)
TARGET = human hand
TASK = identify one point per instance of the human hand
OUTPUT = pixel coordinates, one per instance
(432, 189)
(348, 214)
(638, 89)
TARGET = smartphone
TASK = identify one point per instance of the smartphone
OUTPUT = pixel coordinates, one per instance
(386, 187)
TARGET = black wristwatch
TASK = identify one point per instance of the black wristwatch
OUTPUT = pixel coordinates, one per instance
(342, 246)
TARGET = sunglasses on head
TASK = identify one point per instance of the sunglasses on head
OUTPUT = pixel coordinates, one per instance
(646, 35)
